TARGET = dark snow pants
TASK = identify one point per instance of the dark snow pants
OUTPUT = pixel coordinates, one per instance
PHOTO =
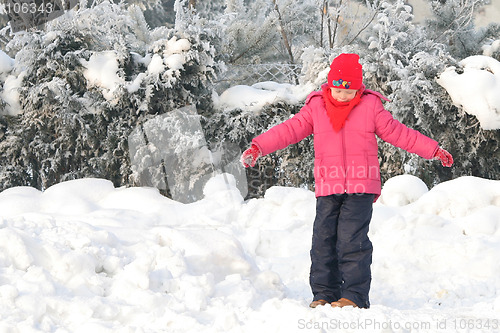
(341, 252)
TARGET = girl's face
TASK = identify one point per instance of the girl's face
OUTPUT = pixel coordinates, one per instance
(343, 95)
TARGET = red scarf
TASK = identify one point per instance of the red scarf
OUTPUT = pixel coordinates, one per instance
(338, 111)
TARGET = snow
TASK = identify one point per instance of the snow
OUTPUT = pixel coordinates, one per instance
(172, 57)
(254, 98)
(10, 94)
(6, 64)
(156, 65)
(85, 256)
(476, 89)
(174, 61)
(9, 84)
(177, 46)
(102, 71)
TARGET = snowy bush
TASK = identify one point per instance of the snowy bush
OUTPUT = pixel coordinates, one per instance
(85, 83)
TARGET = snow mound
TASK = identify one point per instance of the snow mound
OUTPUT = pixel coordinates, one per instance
(76, 196)
(84, 256)
(476, 89)
(402, 190)
(19, 200)
(460, 197)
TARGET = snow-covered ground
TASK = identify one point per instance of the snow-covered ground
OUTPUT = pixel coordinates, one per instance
(84, 256)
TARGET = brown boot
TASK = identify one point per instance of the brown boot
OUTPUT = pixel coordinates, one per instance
(317, 303)
(343, 302)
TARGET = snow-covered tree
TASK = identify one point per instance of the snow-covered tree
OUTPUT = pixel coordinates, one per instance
(85, 83)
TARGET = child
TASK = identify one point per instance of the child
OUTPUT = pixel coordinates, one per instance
(344, 118)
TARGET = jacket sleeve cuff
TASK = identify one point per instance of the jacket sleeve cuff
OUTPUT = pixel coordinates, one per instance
(256, 144)
(435, 151)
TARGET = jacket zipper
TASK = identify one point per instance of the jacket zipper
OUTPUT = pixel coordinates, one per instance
(344, 158)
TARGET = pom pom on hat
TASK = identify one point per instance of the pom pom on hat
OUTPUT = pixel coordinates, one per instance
(346, 72)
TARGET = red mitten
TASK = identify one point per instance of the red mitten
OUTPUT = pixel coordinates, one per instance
(250, 156)
(445, 157)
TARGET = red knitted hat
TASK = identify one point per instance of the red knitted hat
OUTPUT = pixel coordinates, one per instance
(346, 72)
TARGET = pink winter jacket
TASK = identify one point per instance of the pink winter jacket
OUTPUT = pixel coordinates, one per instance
(346, 161)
